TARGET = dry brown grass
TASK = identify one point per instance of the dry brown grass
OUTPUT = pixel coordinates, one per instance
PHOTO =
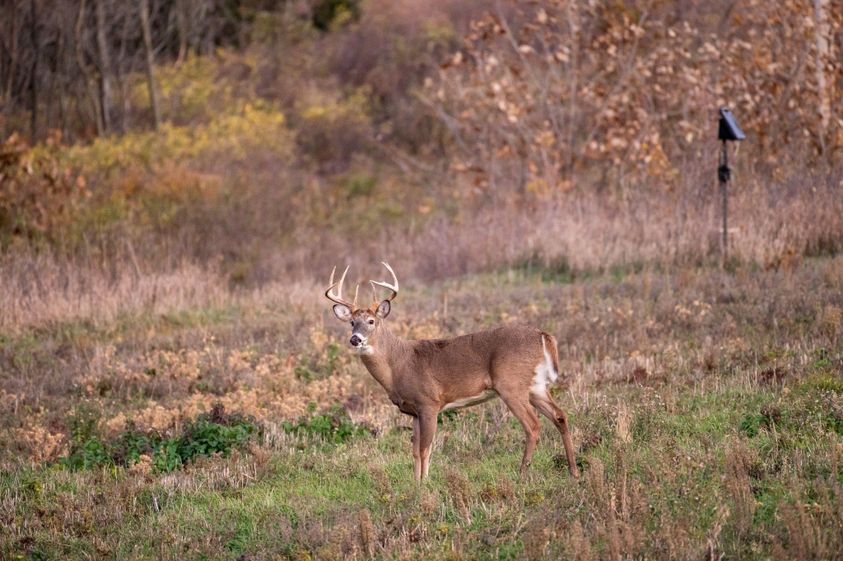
(158, 350)
(770, 228)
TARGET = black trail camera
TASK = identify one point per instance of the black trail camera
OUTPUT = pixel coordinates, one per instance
(729, 129)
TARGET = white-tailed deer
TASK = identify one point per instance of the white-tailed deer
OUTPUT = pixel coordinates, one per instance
(428, 376)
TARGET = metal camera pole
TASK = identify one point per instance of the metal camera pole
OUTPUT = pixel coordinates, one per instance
(728, 131)
(724, 173)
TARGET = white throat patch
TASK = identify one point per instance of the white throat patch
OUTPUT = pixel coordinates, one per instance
(364, 349)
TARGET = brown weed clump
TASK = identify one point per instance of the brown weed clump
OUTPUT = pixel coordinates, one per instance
(460, 491)
(740, 462)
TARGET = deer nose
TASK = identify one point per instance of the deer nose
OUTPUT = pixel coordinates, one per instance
(355, 340)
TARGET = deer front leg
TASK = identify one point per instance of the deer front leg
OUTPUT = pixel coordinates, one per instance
(427, 430)
(417, 460)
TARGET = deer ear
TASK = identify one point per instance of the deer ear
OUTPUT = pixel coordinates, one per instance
(342, 312)
(383, 309)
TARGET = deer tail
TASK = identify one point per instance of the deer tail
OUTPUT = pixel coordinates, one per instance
(549, 346)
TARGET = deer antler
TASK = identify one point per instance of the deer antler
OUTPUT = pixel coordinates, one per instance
(392, 287)
(336, 297)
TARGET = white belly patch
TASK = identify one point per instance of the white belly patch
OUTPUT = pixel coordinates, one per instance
(473, 400)
(545, 373)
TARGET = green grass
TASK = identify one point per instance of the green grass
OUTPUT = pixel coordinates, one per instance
(671, 474)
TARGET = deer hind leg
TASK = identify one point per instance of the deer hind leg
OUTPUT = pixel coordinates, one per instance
(426, 431)
(525, 413)
(544, 403)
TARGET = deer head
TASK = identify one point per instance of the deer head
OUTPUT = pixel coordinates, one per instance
(365, 322)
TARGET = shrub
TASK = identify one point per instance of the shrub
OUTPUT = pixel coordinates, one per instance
(233, 134)
(37, 192)
(332, 130)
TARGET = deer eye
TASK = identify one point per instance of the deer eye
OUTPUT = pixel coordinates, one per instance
(371, 321)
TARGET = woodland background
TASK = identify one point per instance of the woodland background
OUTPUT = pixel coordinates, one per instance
(178, 177)
(281, 135)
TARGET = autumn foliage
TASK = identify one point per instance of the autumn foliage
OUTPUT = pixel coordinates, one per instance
(454, 132)
(561, 95)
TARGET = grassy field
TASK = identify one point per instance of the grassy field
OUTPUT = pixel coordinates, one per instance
(706, 406)
(173, 384)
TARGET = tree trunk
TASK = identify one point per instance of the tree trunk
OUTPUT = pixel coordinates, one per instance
(150, 75)
(120, 76)
(33, 80)
(12, 49)
(55, 77)
(86, 71)
(105, 66)
(821, 33)
(183, 29)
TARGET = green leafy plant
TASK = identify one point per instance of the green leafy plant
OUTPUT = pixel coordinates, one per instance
(167, 457)
(216, 432)
(86, 448)
(333, 426)
(204, 437)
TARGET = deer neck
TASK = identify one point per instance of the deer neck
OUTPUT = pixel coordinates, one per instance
(384, 357)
